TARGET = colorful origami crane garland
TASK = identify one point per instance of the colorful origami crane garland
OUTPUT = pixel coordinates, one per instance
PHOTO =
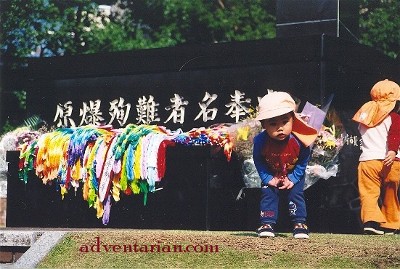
(106, 161)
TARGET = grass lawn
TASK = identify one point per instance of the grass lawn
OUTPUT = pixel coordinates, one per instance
(109, 248)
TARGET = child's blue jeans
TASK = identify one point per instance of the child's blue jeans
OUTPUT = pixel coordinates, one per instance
(269, 203)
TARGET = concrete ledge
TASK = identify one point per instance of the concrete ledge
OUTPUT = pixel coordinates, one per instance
(14, 238)
(32, 257)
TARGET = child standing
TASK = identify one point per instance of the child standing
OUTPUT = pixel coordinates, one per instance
(281, 152)
(379, 166)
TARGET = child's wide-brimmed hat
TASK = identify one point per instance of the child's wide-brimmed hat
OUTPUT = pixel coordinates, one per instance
(384, 95)
(275, 104)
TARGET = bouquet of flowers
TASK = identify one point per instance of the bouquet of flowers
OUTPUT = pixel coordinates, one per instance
(242, 135)
(325, 154)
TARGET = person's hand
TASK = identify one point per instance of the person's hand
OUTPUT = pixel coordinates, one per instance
(286, 183)
(389, 159)
(275, 182)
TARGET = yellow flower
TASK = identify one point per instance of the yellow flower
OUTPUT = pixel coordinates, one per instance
(330, 143)
(243, 133)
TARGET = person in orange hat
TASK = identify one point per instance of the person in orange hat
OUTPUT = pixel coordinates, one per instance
(379, 162)
(281, 153)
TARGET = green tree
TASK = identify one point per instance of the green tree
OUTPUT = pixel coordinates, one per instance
(118, 33)
(380, 25)
(203, 21)
(43, 28)
(21, 26)
(46, 28)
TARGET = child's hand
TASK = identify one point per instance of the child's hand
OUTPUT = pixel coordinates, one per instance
(275, 182)
(286, 183)
(389, 159)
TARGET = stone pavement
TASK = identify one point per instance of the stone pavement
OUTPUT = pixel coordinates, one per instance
(35, 245)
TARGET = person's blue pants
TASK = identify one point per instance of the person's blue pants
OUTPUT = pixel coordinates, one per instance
(269, 203)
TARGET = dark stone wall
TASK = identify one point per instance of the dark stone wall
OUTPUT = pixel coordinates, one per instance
(200, 188)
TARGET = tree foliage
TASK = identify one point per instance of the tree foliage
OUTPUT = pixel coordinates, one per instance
(200, 21)
(148, 24)
(46, 28)
(380, 25)
(53, 28)
(41, 28)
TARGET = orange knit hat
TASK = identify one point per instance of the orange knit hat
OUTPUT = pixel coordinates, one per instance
(384, 95)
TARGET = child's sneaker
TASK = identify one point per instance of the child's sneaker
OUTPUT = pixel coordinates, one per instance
(372, 227)
(266, 230)
(300, 231)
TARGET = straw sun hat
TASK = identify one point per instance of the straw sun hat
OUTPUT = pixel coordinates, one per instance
(279, 103)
